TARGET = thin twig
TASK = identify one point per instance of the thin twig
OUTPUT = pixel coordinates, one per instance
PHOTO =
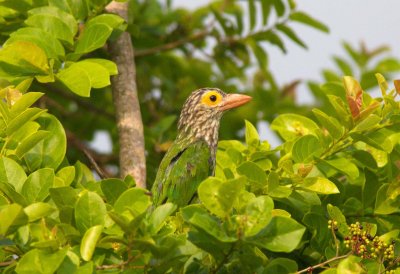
(96, 167)
(93, 156)
(324, 263)
(172, 45)
(7, 263)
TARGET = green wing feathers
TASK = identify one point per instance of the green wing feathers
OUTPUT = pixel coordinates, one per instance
(180, 173)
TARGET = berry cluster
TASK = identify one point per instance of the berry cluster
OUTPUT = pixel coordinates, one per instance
(367, 246)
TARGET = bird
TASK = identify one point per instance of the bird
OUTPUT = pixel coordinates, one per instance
(191, 157)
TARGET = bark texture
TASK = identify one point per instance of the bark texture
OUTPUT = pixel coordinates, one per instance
(125, 96)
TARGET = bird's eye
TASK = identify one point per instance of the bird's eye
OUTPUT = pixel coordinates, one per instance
(211, 98)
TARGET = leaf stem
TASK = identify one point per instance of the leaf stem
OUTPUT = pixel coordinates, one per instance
(336, 258)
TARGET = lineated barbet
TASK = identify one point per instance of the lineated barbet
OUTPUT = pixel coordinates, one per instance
(191, 158)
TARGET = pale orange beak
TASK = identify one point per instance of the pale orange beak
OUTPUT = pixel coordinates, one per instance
(234, 100)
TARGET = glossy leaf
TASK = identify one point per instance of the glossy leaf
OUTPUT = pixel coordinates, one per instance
(38, 210)
(12, 173)
(93, 37)
(34, 259)
(89, 241)
(281, 235)
(291, 126)
(90, 210)
(305, 148)
(319, 185)
(55, 145)
(37, 185)
(134, 199)
(218, 196)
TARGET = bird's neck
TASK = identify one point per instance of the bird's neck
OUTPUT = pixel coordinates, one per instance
(206, 131)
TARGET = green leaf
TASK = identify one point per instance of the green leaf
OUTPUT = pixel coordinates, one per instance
(158, 216)
(47, 42)
(107, 64)
(291, 35)
(331, 124)
(306, 148)
(92, 38)
(218, 196)
(136, 200)
(281, 266)
(304, 18)
(89, 241)
(51, 151)
(266, 10)
(37, 185)
(343, 66)
(66, 174)
(38, 210)
(34, 260)
(63, 196)
(270, 37)
(79, 9)
(345, 166)
(112, 189)
(376, 139)
(384, 204)
(258, 214)
(9, 192)
(24, 102)
(29, 142)
(65, 17)
(290, 126)
(90, 210)
(279, 7)
(372, 121)
(203, 221)
(253, 172)
(23, 58)
(52, 25)
(26, 116)
(319, 185)
(281, 235)
(336, 215)
(351, 264)
(12, 173)
(12, 217)
(76, 79)
(252, 138)
(111, 20)
(252, 14)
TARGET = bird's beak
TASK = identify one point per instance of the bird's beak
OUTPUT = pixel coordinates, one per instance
(234, 100)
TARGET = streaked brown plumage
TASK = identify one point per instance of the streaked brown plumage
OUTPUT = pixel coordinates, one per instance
(191, 158)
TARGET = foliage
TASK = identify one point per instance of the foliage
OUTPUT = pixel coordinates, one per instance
(62, 45)
(266, 211)
(261, 213)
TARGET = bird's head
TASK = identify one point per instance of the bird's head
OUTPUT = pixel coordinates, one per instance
(202, 113)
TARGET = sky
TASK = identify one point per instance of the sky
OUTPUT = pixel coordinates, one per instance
(375, 22)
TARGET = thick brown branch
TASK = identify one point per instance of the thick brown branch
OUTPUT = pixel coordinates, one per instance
(129, 120)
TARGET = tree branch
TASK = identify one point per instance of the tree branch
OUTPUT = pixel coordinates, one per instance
(336, 258)
(174, 44)
(129, 120)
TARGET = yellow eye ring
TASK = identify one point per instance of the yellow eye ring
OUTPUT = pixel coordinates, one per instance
(211, 98)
